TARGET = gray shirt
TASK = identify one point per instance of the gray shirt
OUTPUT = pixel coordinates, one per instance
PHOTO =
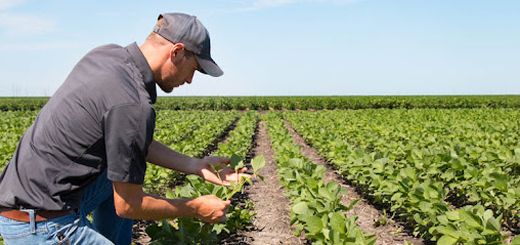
(100, 118)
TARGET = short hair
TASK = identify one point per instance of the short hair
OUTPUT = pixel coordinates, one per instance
(155, 38)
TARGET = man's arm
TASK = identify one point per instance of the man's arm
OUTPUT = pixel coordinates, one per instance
(131, 202)
(162, 155)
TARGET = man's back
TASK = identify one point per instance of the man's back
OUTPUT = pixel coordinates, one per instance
(64, 150)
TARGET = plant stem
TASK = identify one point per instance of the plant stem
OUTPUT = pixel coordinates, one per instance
(221, 182)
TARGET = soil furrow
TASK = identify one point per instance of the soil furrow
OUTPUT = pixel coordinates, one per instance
(139, 235)
(388, 232)
(272, 222)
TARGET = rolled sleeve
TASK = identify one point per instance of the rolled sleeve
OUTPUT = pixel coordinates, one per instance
(128, 131)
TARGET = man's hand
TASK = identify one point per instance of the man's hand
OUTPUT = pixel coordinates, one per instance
(210, 208)
(226, 174)
(161, 155)
(131, 202)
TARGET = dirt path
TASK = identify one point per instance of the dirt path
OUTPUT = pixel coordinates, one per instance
(388, 234)
(272, 222)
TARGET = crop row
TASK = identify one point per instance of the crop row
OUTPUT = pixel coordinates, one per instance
(442, 171)
(189, 132)
(301, 102)
(316, 209)
(12, 126)
(194, 231)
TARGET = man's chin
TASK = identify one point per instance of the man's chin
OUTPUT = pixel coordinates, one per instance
(166, 89)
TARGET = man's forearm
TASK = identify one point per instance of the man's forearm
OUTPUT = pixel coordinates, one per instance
(157, 208)
(162, 155)
(131, 202)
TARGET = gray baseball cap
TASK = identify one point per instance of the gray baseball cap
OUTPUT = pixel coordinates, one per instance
(187, 29)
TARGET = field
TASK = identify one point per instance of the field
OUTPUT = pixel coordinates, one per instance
(336, 170)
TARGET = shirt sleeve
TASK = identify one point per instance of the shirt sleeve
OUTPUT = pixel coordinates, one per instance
(128, 131)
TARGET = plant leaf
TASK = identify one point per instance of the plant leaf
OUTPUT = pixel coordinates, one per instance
(258, 163)
(236, 162)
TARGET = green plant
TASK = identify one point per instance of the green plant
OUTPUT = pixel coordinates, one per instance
(316, 209)
(194, 231)
(469, 225)
(424, 163)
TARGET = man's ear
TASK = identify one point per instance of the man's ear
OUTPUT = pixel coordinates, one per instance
(177, 48)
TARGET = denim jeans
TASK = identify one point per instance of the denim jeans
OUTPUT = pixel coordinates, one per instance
(75, 228)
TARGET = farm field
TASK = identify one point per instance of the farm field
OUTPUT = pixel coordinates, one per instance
(429, 170)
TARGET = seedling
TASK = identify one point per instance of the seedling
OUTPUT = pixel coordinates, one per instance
(236, 163)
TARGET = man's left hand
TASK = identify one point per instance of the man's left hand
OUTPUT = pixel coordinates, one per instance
(226, 174)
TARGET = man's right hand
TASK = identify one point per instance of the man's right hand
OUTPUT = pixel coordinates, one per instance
(132, 203)
(210, 208)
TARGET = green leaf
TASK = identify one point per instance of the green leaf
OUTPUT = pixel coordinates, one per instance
(166, 227)
(452, 215)
(337, 222)
(471, 219)
(500, 181)
(442, 219)
(351, 204)
(258, 163)
(447, 240)
(325, 192)
(261, 177)
(493, 226)
(170, 194)
(154, 231)
(314, 224)
(236, 162)
(300, 208)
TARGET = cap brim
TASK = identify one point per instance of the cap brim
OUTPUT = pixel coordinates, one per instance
(209, 66)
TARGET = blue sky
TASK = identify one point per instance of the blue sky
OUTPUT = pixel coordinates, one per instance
(282, 47)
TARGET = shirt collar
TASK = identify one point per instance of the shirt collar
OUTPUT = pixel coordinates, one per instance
(144, 68)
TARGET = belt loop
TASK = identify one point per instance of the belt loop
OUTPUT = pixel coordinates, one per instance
(32, 219)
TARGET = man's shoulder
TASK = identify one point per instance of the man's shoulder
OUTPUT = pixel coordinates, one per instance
(108, 47)
(103, 74)
(107, 63)
(111, 51)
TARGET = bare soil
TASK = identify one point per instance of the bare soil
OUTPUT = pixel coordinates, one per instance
(388, 232)
(272, 222)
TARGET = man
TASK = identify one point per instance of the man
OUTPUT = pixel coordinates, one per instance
(88, 147)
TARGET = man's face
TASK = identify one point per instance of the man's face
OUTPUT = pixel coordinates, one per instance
(180, 70)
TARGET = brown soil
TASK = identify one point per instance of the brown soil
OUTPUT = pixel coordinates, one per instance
(389, 233)
(139, 235)
(272, 222)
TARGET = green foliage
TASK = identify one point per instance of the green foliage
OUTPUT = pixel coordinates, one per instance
(12, 126)
(194, 231)
(469, 225)
(421, 163)
(316, 209)
(335, 102)
(300, 102)
(236, 162)
(22, 103)
(189, 132)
